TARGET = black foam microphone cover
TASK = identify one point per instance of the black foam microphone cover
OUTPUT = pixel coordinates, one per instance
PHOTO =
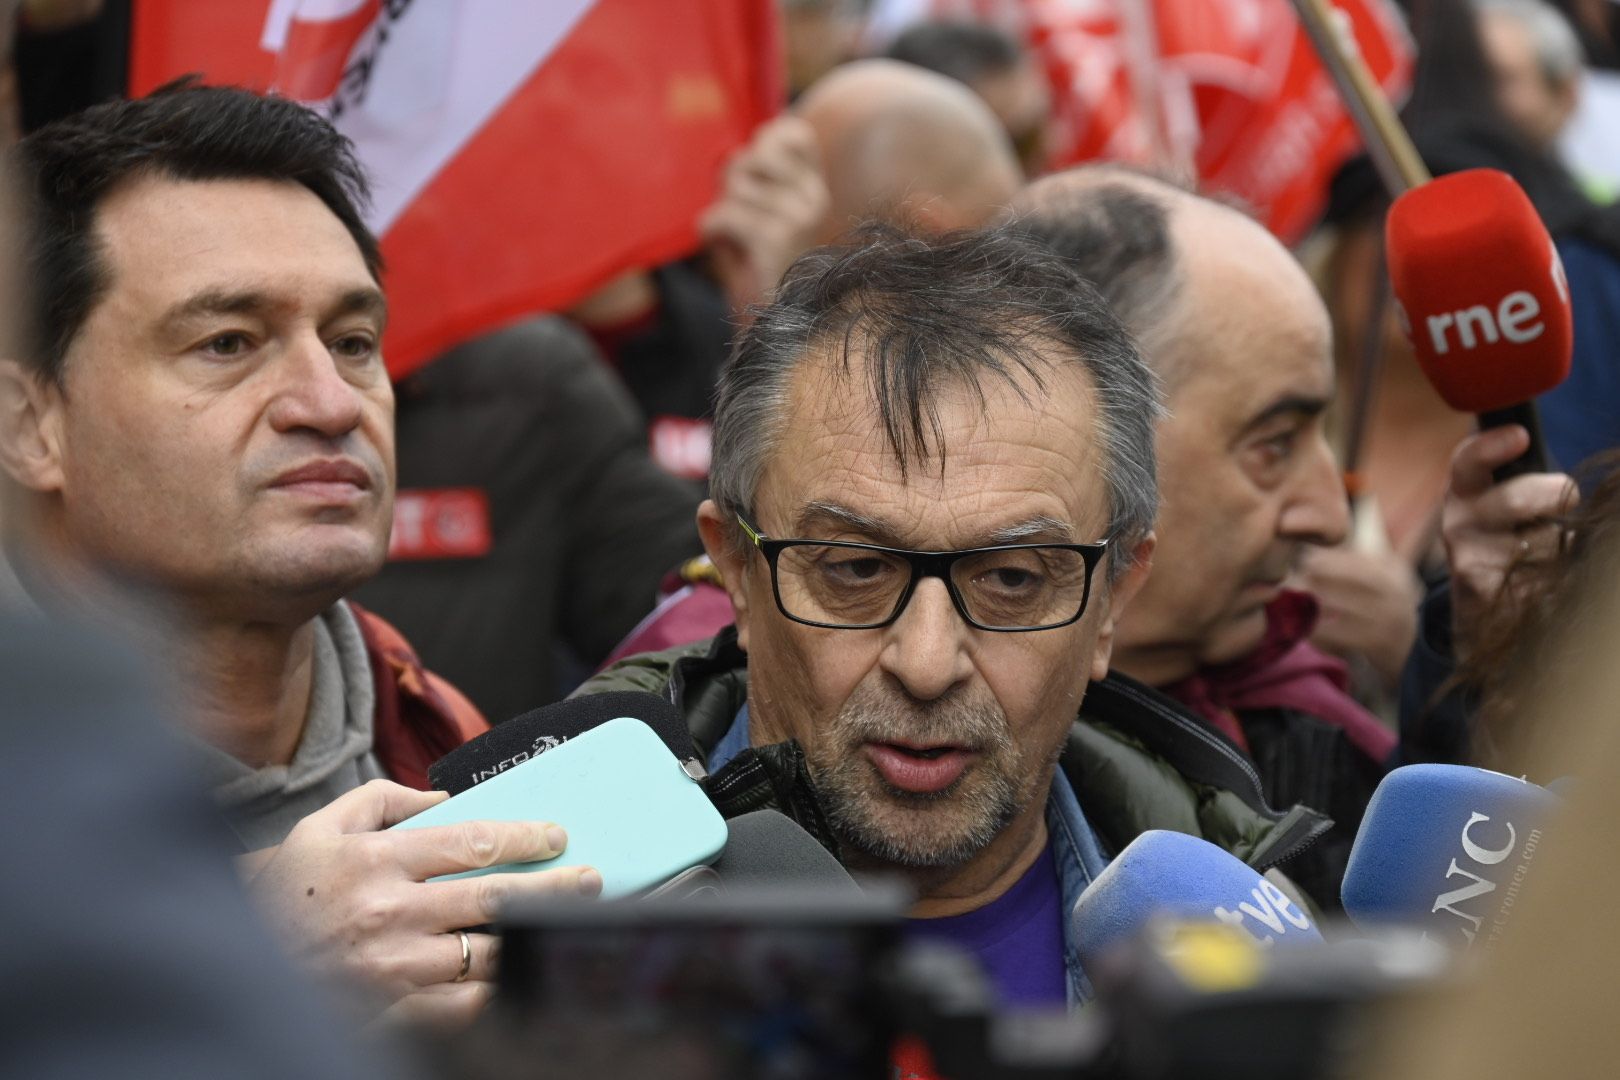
(774, 777)
(765, 848)
(533, 733)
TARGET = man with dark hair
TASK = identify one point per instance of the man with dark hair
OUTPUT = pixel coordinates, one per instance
(1240, 341)
(205, 415)
(933, 497)
(993, 65)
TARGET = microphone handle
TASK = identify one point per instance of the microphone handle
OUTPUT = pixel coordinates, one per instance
(1527, 416)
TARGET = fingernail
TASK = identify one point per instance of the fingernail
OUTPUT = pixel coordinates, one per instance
(556, 837)
(590, 882)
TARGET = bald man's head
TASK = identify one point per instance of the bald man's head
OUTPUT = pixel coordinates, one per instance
(1239, 338)
(903, 144)
(1113, 225)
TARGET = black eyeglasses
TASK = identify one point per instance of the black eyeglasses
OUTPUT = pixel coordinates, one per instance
(1009, 588)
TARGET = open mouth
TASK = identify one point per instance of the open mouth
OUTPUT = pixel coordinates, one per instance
(929, 754)
(919, 769)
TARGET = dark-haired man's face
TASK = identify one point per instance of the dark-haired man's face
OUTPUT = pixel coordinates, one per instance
(226, 427)
(932, 743)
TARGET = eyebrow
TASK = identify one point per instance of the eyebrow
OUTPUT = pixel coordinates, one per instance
(1038, 529)
(1299, 405)
(832, 514)
(249, 301)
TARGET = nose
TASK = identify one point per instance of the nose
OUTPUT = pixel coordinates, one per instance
(313, 395)
(1317, 511)
(927, 648)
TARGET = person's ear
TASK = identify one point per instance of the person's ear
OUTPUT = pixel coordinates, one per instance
(719, 533)
(30, 428)
(1119, 595)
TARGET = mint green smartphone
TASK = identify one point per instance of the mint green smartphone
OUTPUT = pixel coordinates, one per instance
(629, 808)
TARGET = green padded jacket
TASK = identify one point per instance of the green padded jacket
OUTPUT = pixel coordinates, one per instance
(1135, 758)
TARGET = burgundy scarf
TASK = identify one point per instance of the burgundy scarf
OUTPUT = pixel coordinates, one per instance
(1284, 672)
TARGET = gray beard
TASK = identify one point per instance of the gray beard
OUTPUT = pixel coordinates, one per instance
(905, 829)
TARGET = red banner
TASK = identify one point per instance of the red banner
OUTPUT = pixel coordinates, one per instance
(440, 523)
(523, 152)
(1230, 89)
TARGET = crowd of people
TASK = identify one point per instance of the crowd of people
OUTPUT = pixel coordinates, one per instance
(1020, 516)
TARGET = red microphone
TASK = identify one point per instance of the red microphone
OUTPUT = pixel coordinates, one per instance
(1482, 297)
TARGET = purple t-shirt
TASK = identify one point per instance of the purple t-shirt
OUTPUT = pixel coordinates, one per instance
(1018, 937)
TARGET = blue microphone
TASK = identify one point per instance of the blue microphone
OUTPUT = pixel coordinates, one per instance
(1445, 849)
(1181, 877)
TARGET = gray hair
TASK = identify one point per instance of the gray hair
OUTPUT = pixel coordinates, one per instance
(932, 312)
(1115, 233)
(1558, 50)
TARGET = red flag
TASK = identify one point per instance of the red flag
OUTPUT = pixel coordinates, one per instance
(1231, 87)
(523, 152)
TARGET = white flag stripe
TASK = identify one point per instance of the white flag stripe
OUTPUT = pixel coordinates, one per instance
(282, 13)
(328, 10)
(459, 72)
(276, 24)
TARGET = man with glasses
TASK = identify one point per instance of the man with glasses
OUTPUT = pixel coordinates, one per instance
(933, 495)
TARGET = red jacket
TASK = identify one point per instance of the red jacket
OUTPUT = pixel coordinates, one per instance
(419, 717)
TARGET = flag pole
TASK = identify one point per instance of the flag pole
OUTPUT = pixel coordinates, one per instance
(1398, 163)
(1400, 167)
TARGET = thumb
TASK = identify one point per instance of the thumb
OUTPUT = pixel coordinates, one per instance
(377, 805)
(1480, 454)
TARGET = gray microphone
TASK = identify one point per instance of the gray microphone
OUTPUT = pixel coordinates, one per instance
(766, 849)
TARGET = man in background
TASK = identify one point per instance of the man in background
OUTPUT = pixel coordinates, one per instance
(905, 145)
(992, 64)
(1240, 341)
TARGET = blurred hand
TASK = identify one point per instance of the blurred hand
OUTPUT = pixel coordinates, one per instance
(1486, 527)
(355, 902)
(1369, 605)
(771, 203)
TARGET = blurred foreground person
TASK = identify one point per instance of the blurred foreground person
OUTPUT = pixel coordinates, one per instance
(1235, 331)
(932, 501)
(131, 949)
(205, 417)
(1541, 1003)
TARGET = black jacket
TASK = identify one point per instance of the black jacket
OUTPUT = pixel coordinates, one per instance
(583, 523)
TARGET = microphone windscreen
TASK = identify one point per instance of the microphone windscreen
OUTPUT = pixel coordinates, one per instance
(767, 848)
(1445, 848)
(1480, 289)
(533, 733)
(1182, 877)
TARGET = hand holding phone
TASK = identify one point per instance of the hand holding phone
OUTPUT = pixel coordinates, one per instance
(630, 809)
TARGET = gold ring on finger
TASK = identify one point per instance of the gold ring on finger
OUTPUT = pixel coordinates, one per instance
(466, 957)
